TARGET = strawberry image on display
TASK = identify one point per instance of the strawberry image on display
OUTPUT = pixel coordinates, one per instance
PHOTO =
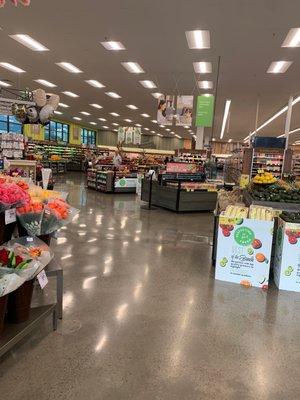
(292, 239)
(256, 244)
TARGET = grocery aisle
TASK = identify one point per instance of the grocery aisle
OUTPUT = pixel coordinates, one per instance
(145, 319)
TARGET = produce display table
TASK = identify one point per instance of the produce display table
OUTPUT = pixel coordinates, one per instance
(274, 204)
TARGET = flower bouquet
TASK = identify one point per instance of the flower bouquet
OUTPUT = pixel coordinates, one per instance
(12, 195)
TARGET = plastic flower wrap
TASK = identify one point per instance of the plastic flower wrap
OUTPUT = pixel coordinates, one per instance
(11, 195)
(57, 214)
(30, 216)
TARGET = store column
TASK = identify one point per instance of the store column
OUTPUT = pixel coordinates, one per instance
(199, 138)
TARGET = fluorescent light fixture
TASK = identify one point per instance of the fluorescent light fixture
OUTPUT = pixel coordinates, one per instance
(57, 112)
(154, 121)
(29, 42)
(153, 132)
(276, 115)
(115, 124)
(113, 95)
(77, 118)
(213, 139)
(84, 113)
(157, 95)
(63, 105)
(146, 129)
(133, 67)
(4, 84)
(69, 67)
(70, 94)
(293, 131)
(45, 83)
(186, 127)
(113, 46)
(172, 133)
(279, 67)
(93, 123)
(198, 39)
(148, 84)
(115, 130)
(179, 137)
(127, 120)
(132, 107)
(225, 116)
(105, 127)
(158, 134)
(205, 84)
(230, 140)
(115, 114)
(292, 39)
(161, 126)
(139, 125)
(206, 94)
(11, 67)
(95, 83)
(202, 67)
(145, 115)
(168, 130)
(96, 106)
(102, 119)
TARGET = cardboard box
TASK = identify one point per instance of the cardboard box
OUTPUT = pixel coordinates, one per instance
(244, 251)
(287, 256)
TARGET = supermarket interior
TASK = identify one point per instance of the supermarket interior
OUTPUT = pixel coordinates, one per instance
(149, 200)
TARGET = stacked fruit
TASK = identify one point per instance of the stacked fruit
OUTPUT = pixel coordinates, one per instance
(236, 212)
(263, 178)
(261, 213)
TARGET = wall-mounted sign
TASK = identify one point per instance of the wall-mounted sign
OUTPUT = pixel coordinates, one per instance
(205, 111)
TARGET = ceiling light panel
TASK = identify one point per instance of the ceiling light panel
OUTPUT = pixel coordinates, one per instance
(292, 39)
(202, 67)
(29, 42)
(226, 112)
(115, 124)
(148, 84)
(145, 115)
(127, 120)
(279, 67)
(63, 105)
(113, 95)
(45, 83)
(157, 95)
(154, 121)
(77, 118)
(205, 84)
(95, 83)
(114, 114)
(58, 112)
(84, 113)
(105, 127)
(69, 67)
(113, 46)
(133, 67)
(70, 94)
(146, 129)
(93, 123)
(139, 125)
(96, 106)
(132, 107)
(198, 39)
(12, 67)
(4, 84)
(102, 119)
(153, 132)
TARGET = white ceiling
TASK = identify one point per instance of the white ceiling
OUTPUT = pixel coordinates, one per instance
(247, 35)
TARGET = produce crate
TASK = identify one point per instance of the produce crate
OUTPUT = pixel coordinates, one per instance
(248, 199)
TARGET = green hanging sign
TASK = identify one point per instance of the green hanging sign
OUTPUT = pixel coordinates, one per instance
(205, 111)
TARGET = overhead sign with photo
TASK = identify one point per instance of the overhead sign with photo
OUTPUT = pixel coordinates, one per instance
(165, 110)
(129, 135)
(205, 111)
(184, 114)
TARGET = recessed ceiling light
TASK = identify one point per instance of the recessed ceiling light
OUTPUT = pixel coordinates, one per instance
(45, 83)
(207, 94)
(115, 124)
(168, 130)
(279, 67)
(11, 67)
(154, 121)
(198, 39)
(112, 45)
(102, 119)
(29, 42)
(105, 127)
(132, 107)
(173, 133)
(57, 112)
(205, 84)
(179, 137)
(4, 84)
(202, 67)
(161, 126)
(153, 132)
(139, 125)
(93, 123)
(146, 129)
(213, 139)
(127, 120)
(95, 83)
(113, 95)
(69, 67)
(225, 116)
(145, 115)
(292, 39)
(84, 113)
(77, 118)
(186, 127)
(148, 84)
(63, 105)
(115, 130)
(115, 114)
(133, 67)
(96, 105)
(230, 140)
(70, 94)
(157, 95)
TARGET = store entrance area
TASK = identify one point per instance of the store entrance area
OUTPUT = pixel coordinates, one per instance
(144, 317)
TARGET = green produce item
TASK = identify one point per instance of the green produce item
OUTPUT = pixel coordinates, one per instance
(250, 251)
(290, 268)
(287, 272)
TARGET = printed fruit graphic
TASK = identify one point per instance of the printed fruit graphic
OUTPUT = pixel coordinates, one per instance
(223, 262)
(239, 221)
(292, 239)
(260, 257)
(265, 287)
(287, 272)
(250, 251)
(256, 244)
(230, 227)
(290, 268)
(246, 283)
(226, 232)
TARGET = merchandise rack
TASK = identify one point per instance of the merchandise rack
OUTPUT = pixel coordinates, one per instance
(270, 160)
(296, 166)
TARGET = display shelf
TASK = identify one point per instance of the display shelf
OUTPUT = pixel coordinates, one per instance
(270, 160)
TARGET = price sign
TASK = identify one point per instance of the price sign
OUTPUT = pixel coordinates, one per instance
(10, 216)
(42, 278)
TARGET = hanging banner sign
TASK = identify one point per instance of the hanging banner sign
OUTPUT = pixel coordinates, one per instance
(165, 110)
(205, 111)
(137, 136)
(184, 114)
(121, 135)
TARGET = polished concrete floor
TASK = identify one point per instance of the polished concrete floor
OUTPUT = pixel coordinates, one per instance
(144, 318)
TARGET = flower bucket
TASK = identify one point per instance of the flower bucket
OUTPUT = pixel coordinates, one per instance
(22, 232)
(3, 304)
(6, 231)
(45, 238)
(19, 301)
